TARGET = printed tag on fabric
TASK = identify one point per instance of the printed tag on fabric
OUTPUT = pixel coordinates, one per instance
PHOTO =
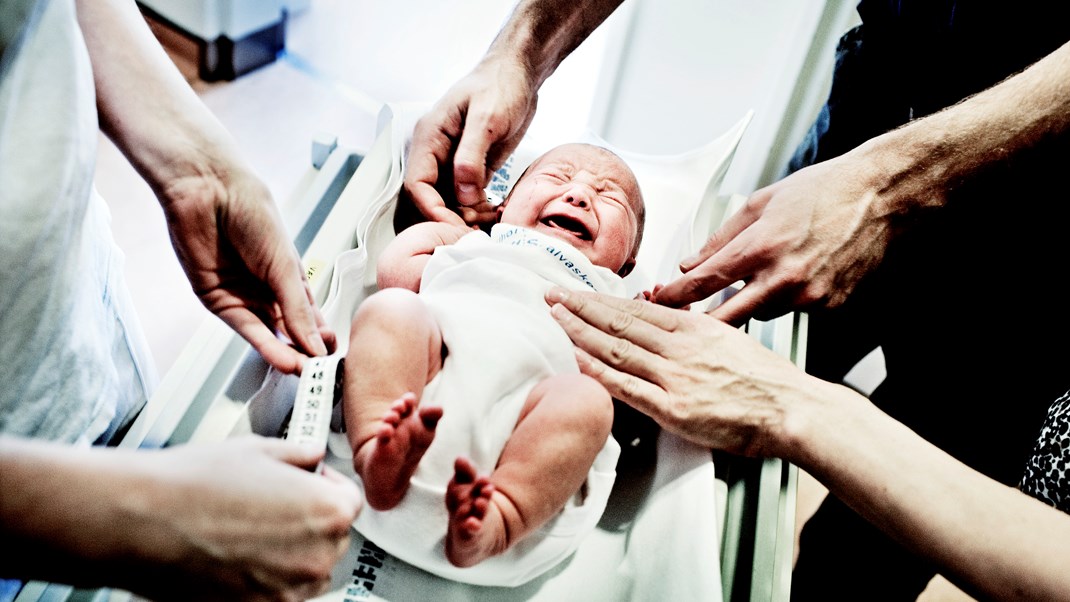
(562, 252)
(500, 182)
(362, 580)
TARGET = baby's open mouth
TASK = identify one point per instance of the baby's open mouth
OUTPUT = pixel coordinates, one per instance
(572, 226)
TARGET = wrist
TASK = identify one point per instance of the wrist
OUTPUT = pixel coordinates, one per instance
(206, 178)
(907, 171)
(528, 44)
(192, 150)
(520, 60)
(810, 421)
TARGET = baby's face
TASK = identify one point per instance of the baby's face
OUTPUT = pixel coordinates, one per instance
(583, 195)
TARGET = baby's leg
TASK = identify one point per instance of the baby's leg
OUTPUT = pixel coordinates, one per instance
(395, 349)
(564, 424)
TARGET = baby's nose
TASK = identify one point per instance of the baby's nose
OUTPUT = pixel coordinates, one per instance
(579, 196)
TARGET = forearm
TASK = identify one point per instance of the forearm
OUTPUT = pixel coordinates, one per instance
(916, 166)
(69, 515)
(541, 33)
(145, 105)
(991, 539)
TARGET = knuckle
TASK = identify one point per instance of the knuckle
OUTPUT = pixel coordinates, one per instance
(839, 298)
(636, 307)
(813, 294)
(576, 304)
(620, 352)
(797, 276)
(789, 280)
(629, 387)
(675, 321)
(590, 367)
(677, 412)
(695, 287)
(621, 322)
(496, 124)
(713, 242)
(699, 285)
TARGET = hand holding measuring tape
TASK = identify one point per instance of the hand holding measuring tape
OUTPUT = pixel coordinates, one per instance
(232, 245)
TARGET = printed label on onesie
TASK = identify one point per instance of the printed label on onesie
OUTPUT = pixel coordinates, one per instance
(575, 262)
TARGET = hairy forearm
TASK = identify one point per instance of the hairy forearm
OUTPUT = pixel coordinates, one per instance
(541, 33)
(916, 166)
(992, 540)
(145, 105)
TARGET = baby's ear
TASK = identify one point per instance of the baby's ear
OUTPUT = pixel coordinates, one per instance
(626, 268)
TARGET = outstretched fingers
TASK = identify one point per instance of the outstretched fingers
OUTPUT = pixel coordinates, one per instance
(743, 305)
(635, 320)
(713, 274)
(726, 258)
(620, 343)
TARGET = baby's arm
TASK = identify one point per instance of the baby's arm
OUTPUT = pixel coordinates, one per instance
(402, 262)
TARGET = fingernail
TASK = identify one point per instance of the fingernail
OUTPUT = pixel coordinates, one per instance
(466, 194)
(318, 346)
(557, 295)
(688, 262)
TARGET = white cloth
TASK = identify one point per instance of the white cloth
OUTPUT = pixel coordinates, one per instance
(487, 296)
(74, 365)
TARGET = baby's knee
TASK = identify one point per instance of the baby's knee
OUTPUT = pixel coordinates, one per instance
(586, 399)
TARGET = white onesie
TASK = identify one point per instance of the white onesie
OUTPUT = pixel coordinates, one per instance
(487, 296)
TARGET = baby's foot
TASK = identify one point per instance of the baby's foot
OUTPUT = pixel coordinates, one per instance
(403, 437)
(470, 538)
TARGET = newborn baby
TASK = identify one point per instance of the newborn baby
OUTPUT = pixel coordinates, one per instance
(484, 454)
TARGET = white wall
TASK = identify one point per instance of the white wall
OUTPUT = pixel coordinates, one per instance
(689, 69)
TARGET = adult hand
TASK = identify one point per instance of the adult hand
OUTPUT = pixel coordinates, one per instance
(804, 242)
(230, 240)
(241, 519)
(697, 376)
(465, 137)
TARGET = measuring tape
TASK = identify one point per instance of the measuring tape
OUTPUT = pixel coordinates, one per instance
(318, 391)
